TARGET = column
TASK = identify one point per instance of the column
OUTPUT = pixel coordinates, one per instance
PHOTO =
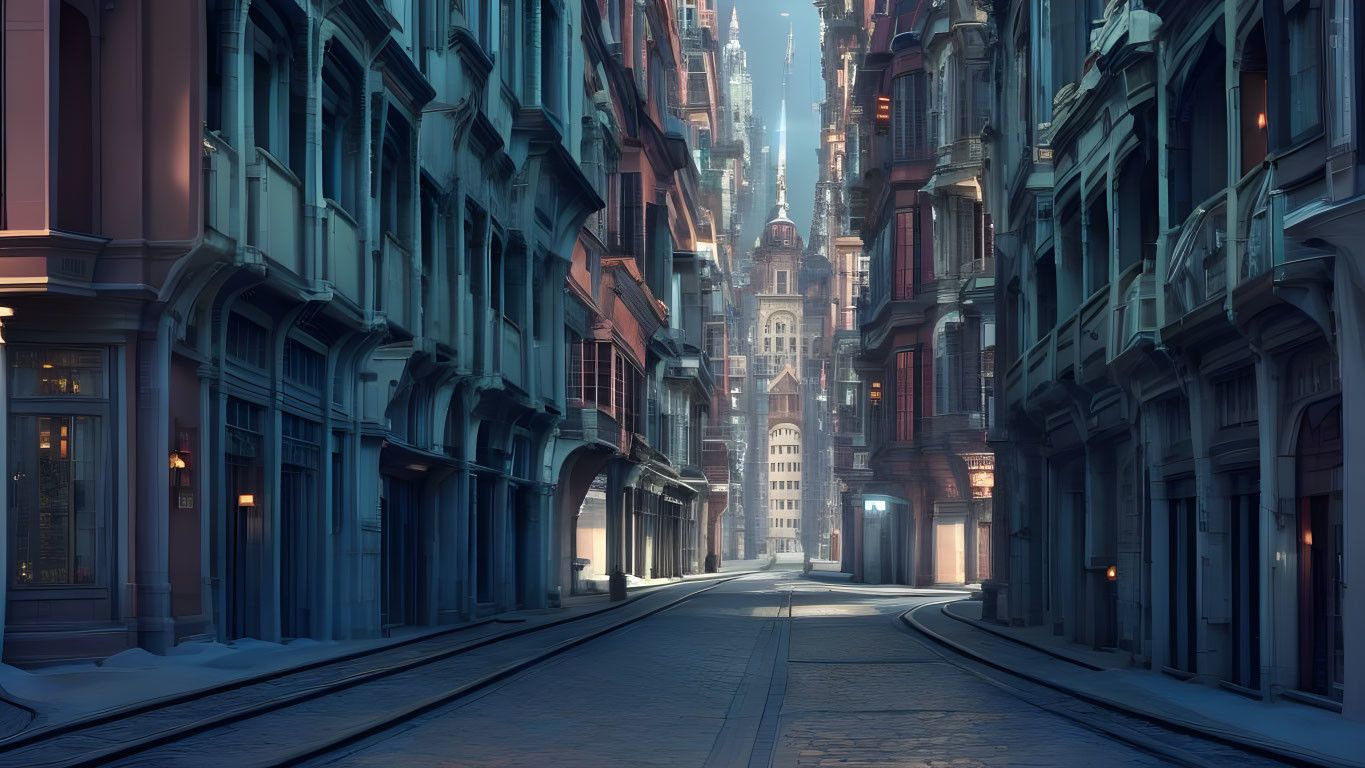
(152, 591)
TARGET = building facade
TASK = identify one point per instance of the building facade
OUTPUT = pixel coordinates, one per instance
(922, 512)
(1178, 192)
(325, 348)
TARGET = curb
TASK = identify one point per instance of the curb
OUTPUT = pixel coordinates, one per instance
(1273, 749)
(977, 624)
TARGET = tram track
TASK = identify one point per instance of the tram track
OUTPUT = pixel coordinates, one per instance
(1186, 745)
(165, 731)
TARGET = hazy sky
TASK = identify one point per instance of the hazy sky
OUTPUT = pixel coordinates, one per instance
(763, 33)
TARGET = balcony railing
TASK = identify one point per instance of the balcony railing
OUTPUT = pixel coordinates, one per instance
(395, 285)
(963, 151)
(1136, 313)
(275, 211)
(511, 363)
(343, 265)
(220, 175)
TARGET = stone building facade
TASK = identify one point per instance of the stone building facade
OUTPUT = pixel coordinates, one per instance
(1177, 191)
(297, 358)
(922, 512)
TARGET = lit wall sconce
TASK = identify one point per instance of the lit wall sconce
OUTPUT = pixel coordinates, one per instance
(1111, 573)
(246, 500)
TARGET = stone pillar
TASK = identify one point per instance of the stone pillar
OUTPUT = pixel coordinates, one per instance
(1350, 314)
(155, 628)
(616, 523)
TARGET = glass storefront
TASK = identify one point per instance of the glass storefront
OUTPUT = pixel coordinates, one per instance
(56, 446)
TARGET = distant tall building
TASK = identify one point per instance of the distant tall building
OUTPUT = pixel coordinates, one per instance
(777, 322)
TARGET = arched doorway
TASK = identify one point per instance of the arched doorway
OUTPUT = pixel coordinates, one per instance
(1321, 571)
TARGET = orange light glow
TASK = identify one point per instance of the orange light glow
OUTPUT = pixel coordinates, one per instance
(246, 500)
(1261, 121)
(1308, 538)
(1112, 573)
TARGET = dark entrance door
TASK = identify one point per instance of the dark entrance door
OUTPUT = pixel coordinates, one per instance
(301, 457)
(245, 532)
(399, 510)
(1183, 578)
(296, 513)
(1245, 564)
(1321, 566)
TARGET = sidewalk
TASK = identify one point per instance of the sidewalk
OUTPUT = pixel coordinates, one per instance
(63, 693)
(1290, 729)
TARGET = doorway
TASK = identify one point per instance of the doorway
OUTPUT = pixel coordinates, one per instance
(1321, 573)
(398, 507)
(246, 523)
(1183, 580)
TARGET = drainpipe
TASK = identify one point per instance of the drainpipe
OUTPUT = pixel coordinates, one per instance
(533, 76)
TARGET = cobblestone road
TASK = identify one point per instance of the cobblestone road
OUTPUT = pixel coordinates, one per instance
(761, 671)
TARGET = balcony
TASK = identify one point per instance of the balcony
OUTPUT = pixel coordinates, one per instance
(511, 360)
(961, 152)
(584, 421)
(1092, 343)
(1198, 268)
(343, 265)
(694, 368)
(275, 212)
(1135, 315)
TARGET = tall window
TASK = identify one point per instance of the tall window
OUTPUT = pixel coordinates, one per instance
(75, 135)
(506, 52)
(782, 281)
(947, 361)
(340, 161)
(1305, 54)
(905, 395)
(910, 101)
(907, 253)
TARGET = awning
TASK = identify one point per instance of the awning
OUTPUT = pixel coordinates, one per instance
(949, 177)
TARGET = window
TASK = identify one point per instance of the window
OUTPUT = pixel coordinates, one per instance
(247, 342)
(910, 101)
(1304, 25)
(551, 68)
(75, 123)
(980, 114)
(1237, 399)
(1341, 71)
(905, 393)
(947, 360)
(340, 160)
(781, 281)
(55, 522)
(506, 46)
(56, 458)
(907, 253)
(303, 365)
(41, 372)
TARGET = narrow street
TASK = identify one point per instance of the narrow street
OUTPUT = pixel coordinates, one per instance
(764, 670)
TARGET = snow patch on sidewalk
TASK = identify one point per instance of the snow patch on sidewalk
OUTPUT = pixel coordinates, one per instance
(64, 692)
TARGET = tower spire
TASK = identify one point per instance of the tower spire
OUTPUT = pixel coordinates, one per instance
(782, 134)
(734, 22)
